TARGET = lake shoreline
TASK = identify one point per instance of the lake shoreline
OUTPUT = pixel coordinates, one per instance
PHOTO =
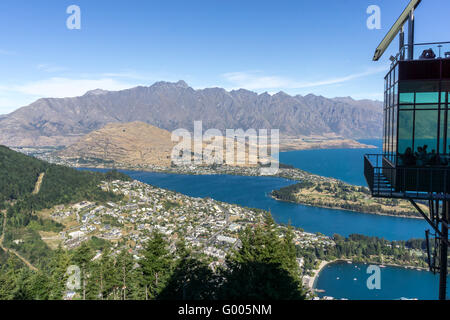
(338, 208)
(324, 263)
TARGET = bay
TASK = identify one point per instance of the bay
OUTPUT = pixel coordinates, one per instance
(342, 280)
(344, 164)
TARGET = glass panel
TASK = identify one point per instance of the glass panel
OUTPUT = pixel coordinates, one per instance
(388, 141)
(427, 106)
(448, 133)
(419, 86)
(384, 130)
(392, 97)
(405, 131)
(388, 131)
(395, 94)
(388, 95)
(394, 132)
(396, 73)
(406, 107)
(425, 131)
(442, 129)
(427, 97)
(407, 97)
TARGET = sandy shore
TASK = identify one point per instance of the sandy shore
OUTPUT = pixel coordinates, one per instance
(316, 272)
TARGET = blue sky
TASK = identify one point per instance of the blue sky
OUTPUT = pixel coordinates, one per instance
(300, 47)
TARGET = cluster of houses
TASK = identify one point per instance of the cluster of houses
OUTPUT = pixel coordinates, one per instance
(209, 227)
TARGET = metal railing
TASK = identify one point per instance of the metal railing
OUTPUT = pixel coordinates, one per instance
(387, 180)
(440, 49)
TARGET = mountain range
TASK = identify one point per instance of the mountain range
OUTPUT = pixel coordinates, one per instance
(169, 106)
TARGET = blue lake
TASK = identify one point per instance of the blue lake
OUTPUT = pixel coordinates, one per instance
(344, 164)
(349, 281)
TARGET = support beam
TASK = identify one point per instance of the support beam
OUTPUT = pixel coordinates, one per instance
(443, 240)
(435, 228)
(444, 254)
(390, 36)
(401, 44)
(411, 36)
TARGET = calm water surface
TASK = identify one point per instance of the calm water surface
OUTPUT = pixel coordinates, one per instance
(349, 281)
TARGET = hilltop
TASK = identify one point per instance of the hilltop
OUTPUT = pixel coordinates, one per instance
(135, 143)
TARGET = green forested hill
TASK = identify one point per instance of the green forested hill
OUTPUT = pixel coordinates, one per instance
(60, 185)
(19, 173)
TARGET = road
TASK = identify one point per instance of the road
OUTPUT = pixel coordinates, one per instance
(38, 184)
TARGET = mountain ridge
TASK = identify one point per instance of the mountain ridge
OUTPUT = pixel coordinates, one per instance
(169, 106)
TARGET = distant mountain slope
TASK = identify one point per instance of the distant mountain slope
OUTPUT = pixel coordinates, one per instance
(135, 143)
(50, 122)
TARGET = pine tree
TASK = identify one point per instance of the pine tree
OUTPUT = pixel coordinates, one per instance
(192, 279)
(58, 267)
(8, 278)
(155, 266)
(105, 275)
(264, 268)
(125, 279)
(82, 257)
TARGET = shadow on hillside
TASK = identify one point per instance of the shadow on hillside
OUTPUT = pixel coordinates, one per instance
(193, 280)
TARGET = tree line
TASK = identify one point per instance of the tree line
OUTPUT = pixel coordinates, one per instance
(361, 248)
(263, 268)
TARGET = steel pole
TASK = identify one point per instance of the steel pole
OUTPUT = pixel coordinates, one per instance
(444, 253)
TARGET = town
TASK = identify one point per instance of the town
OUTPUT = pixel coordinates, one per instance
(210, 228)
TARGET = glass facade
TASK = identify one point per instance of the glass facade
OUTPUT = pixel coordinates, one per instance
(416, 121)
(391, 115)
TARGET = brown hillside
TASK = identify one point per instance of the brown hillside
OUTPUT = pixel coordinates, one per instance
(134, 143)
